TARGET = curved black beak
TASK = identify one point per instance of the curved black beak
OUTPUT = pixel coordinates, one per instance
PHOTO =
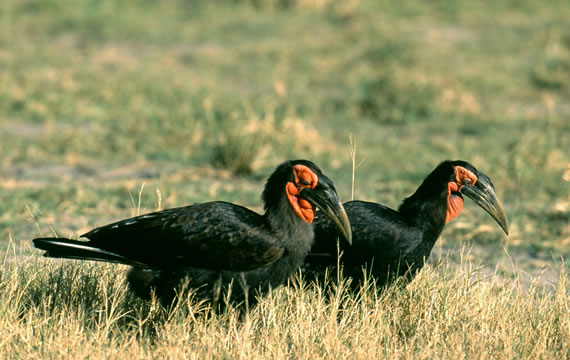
(324, 197)
(483, 193)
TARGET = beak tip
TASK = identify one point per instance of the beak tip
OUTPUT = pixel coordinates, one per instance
(504, 226)
(327, 200)
(487, 199)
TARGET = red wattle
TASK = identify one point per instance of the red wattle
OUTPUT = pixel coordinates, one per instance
(304, 209)
(454, 202)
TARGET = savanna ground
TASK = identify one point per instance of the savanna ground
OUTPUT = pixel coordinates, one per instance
(113, 108)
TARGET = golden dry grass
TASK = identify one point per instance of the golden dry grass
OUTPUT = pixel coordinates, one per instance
(55, 309)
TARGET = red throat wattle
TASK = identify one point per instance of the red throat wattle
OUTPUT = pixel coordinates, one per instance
(455, 202)
(304, 178)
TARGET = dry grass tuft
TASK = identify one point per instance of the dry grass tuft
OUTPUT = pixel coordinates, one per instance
(76, 310)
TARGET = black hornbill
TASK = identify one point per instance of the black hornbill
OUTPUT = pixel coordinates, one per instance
(394, 243)
(216, 245)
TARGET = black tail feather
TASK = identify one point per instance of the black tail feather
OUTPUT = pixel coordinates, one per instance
(81, 250)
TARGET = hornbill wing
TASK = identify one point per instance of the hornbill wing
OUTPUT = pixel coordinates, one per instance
(215, 235)
(379, 234)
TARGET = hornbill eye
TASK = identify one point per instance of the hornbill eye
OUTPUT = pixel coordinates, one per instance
(466, 181)
(305, 182)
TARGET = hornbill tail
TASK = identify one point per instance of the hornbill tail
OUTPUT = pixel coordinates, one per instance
(79, 250)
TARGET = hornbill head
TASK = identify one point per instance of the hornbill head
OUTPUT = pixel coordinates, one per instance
(467, 180)
(306, 189)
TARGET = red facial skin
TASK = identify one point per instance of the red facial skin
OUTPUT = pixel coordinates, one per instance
(455, 203)
(304, 178)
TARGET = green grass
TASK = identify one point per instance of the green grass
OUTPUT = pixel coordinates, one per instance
(242, 86)
(201, 100)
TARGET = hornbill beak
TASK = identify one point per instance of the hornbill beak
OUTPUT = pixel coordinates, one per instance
(325, 198)
(483, 193)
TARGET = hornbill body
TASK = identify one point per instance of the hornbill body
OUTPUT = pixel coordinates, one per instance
(392, 243)
(215, 246)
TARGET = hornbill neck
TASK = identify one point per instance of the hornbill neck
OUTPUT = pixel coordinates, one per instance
(296, 234)
(427, 207)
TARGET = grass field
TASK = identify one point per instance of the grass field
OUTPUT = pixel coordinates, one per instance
(108, 109)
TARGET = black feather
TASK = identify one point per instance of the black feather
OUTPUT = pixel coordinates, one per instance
(73, 249)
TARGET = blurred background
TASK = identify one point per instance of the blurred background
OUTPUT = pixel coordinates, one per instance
(113, 108)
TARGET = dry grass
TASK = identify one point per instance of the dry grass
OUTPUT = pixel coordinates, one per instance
(53, 309)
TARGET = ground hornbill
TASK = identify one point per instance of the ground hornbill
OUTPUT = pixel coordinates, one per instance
(215, 246)
(392, 243)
